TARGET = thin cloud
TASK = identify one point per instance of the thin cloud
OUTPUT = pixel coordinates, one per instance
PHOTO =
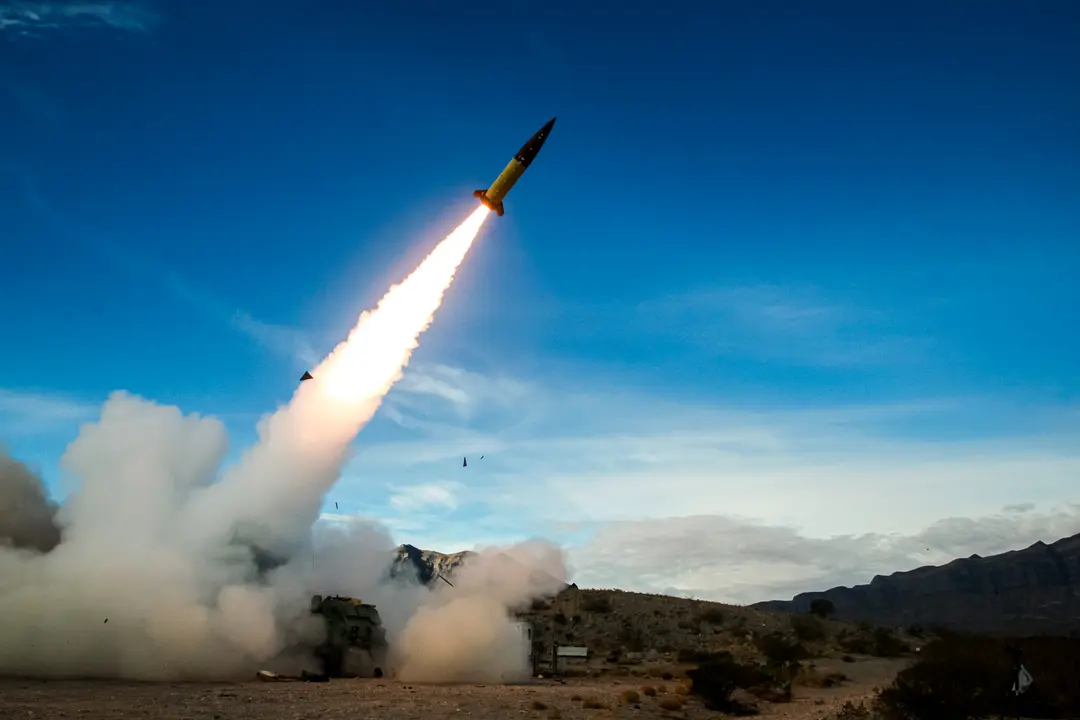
(412, 498)
(599, 468)
(467, 394)
(29, 18)
(280, 339)
(736, 560)
(30, 413)
(797, 325)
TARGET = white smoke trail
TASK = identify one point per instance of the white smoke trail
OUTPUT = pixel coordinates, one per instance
(273, 496)
(153, 577)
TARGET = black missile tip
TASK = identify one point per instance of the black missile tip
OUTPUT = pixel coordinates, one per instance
(306, 376)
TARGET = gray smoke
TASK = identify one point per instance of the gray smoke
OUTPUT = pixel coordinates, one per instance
(27, 517)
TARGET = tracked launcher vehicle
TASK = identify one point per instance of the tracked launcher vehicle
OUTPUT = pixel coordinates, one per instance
(355, 644)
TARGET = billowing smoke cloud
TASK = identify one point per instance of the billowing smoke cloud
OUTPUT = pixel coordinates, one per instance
(466, 632)
(27, 518)
(155, 575)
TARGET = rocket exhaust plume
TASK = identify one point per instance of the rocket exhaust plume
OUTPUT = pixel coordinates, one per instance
(149, 569)
(302, 447)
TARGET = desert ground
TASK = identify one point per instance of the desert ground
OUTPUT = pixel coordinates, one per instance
(392, 700)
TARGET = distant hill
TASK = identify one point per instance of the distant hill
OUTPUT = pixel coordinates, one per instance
(428, 565)
(1032, 591)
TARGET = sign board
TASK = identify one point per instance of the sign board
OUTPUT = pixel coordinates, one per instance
(570, 651)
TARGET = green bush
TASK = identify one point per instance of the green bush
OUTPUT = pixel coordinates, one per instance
(778, 649)
(887, 644)
(714, 681)
(808, 628)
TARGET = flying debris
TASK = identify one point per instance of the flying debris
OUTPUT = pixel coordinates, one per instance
(335, 506)
(306, 376)
(464, 462)
(446, 581)
(481, 457)
(493, 196)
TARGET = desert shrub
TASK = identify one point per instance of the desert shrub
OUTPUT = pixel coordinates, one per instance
(859, 643)
(540, 604)
(666, 675)
(555, 714)
(597, 604)
(648, 691)
(670, 704)
(559, 618)
(847, 659)
(537, 705)
(713, 616)
(808, 628)
(885, 643)
(822, 607)
(575, 698)
(631, 696)
(593, 704)
(715, 680)
(916, 630)
(633, 639)
(778, 649)
(969, 677)
(691, 655)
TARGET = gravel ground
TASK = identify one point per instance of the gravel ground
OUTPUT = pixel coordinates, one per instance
(391, 700)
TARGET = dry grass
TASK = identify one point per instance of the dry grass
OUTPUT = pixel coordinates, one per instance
(648, 691)
(631, 696)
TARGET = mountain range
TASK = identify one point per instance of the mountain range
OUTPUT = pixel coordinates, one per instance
(1034, 591)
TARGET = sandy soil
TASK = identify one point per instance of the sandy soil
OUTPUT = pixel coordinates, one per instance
(391, 700)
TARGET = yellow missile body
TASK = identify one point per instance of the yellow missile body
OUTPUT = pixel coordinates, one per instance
(493, 196)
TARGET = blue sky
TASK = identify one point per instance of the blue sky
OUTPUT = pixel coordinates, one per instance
(788, 298)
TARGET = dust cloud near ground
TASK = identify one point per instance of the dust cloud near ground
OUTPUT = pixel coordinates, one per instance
(137, 588)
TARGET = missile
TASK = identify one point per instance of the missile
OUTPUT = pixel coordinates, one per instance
(493, 196)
